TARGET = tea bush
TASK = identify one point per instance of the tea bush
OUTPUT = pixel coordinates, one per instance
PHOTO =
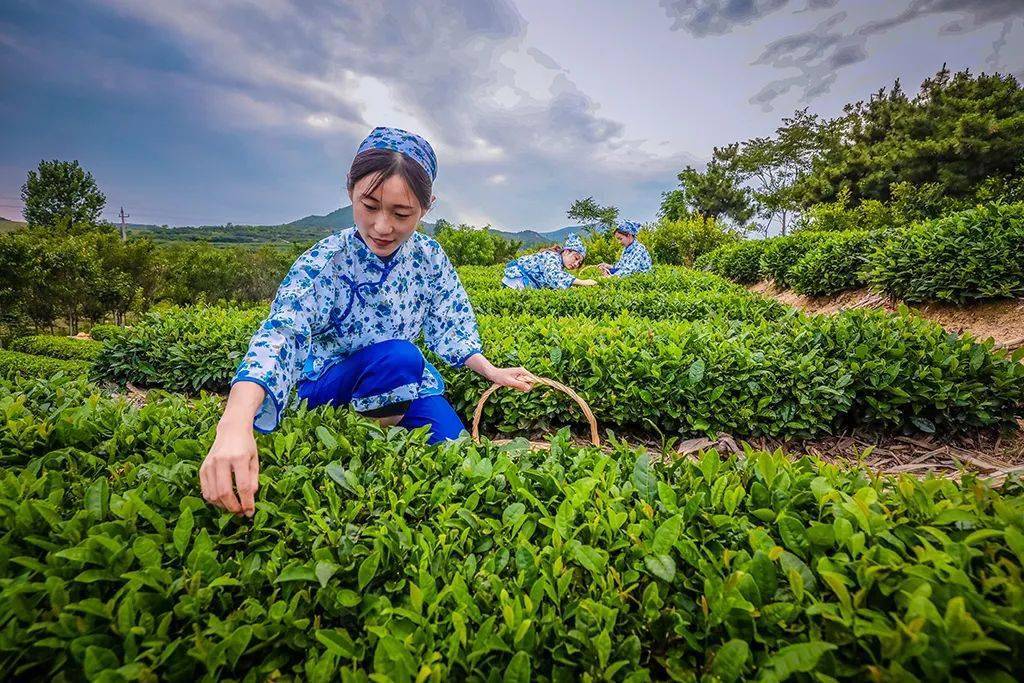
(599, 302)
(181, 349)
(794, 375)
(972, 254)
(480, 278)
(18, 363)
(781, 254)
(371, 553)
(683, 241)
(834, 265)
(662, 278)
(739, 262)
(101, 332)
(466, 245)
(56, 346)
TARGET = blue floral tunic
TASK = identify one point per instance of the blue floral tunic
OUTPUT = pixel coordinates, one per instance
(340, 297)
(543, 270)
(634, 259)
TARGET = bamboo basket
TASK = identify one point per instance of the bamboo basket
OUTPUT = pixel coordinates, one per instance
(534, 379)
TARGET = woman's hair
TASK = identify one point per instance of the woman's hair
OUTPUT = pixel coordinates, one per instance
(386, 163)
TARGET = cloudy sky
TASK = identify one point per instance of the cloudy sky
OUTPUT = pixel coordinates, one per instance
(207, 111)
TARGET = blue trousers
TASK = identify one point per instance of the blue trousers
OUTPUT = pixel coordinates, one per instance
(378, 369)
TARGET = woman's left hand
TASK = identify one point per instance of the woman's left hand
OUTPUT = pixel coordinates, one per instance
(516, 378)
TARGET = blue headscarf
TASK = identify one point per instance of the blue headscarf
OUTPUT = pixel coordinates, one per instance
(410, 144)
(574, 243)
(628, 227)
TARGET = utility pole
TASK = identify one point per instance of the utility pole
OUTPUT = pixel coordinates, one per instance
(124, 232)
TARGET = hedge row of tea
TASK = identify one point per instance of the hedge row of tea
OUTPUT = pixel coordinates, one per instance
(599, 302)
(794, 375)
(372, 554)
(67, 348)
(973, 254)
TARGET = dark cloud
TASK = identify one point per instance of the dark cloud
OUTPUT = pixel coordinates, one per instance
(818, 55)
(462, 69)
(716, 17)
(997, 46)
(973, 14)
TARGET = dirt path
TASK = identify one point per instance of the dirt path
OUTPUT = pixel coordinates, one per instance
(1002, 320)
(992, 454)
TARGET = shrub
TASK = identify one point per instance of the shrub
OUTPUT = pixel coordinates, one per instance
(372, 553)
(739, 262)
(672, 279)
(55, 346)
(181, 349)
(972, 254)
(29, 365)
(661, 278)
(610, 302)
(834, 265)
(602, 247)
(839, 216)
(792, 376)
(682, 242)
(478, 278)
(101, 332)
(466, 245)
(782, 253)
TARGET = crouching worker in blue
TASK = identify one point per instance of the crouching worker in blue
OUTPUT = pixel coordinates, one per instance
(634, 259)
(342, 325)
(548, 269)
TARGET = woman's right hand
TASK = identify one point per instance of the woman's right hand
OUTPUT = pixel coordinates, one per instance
(232, 456)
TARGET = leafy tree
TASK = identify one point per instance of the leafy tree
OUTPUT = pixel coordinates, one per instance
(674, 206)
(681, 242)
(774, 164)
(467, 245)
(61, 193)
(957, 132)
(590, 213)
(715, 193)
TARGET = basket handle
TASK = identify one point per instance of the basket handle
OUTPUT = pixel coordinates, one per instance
(534, 379)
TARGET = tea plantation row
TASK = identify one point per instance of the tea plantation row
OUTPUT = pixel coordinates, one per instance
(970, 255)
(373, 553)
(795, 375)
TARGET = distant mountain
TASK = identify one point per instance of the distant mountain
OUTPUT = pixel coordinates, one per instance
(338, 219)
(310, 228)
(342, 218)
(534, 237)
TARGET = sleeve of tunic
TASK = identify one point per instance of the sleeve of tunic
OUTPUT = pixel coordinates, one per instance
(279, 348)
(450, 328)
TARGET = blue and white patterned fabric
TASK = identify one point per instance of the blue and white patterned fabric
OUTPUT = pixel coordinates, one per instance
(340, 297)
(543, 270)
(634, 259)
(574, 243)
(628, 227)
(410, 144)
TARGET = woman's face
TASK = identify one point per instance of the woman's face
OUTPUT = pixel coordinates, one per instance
(387, 217)
(623, 238)
(572, 259)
